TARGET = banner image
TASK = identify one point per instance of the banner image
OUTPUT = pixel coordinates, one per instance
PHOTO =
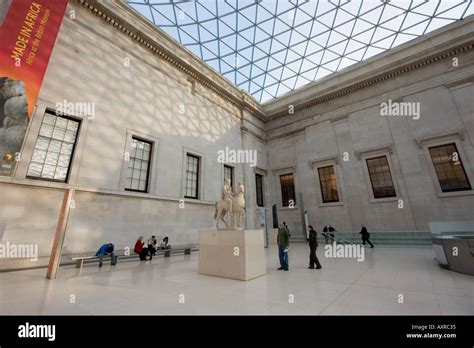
(28, 31)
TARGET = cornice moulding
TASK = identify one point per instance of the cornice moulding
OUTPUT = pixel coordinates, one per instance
(315, 161)
(367, 151)
(420, 141)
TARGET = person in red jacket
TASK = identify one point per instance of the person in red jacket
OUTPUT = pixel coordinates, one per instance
(140, 249)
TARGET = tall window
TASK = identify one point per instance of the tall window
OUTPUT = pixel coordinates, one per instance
(192, 177)
(380, 177)
(287, 189)
(259, 188)
(327, 181)
(138, 165)
(229, 174)
(449, 168)
(54, 148)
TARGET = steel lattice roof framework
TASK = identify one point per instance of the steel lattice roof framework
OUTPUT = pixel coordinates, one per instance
(270, 47)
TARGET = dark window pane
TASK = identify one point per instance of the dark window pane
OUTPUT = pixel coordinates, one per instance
(449, 168)
(287, 189)
(328, 183)
(259, 189)
(380, 177)
(229, 174)
(192, 177)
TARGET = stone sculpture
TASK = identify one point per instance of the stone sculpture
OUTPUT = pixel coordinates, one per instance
(231, 202)
(13, 121)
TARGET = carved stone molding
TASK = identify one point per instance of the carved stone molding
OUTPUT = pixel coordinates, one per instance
(384, 148)
(316, 161)
(420, 141)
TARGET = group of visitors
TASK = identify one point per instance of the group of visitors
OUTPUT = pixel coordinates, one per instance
(150, 248)
(283, 241)
(329, 234)
(143, 251)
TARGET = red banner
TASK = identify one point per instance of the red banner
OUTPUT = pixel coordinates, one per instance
(27, 36)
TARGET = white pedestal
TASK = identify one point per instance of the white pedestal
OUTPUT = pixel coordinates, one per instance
(235, 254)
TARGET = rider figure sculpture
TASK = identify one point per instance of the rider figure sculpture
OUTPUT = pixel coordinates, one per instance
(227, 194)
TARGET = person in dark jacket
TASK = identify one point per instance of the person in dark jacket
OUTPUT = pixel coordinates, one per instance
(313, 244)
(325, 234)
(152, 246)
(365, 236)
(104, 250)
(283, 241)
(140, 249)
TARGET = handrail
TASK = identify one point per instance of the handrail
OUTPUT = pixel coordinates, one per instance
(336, 240)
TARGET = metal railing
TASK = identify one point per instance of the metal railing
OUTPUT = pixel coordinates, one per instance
(333, 239)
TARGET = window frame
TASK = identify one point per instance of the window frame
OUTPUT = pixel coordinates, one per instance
(369, 158)
(232, 174)
(147, 182)
(256, 190)
(330, 160)
(198, 174)
(281, 189)
(73, 151)
(463, 166)
(324, 201)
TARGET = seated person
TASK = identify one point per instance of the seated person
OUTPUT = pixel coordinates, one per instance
(164, 244)
(152, 246)
(104, 250)
(140, 249)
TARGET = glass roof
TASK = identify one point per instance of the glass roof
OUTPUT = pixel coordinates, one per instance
(270, 47)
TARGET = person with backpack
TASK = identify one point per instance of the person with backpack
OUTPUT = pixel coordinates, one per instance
(104, 250)
(313, 244)
(365, 236)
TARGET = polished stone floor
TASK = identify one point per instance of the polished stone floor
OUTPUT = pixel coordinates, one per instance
(172, 286)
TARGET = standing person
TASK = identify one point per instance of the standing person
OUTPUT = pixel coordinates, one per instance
(332, 236)
(286, 226)
(313, 244)
(152, 246)
(283, 241)
(140, 249)
(325, 233)
(104, 250)
(365, 236)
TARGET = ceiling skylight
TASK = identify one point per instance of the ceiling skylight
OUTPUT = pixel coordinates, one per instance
(270, 47)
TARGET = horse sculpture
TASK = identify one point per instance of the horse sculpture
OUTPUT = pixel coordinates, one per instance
(238, 209)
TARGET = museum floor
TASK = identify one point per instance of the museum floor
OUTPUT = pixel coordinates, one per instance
(342, 287)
